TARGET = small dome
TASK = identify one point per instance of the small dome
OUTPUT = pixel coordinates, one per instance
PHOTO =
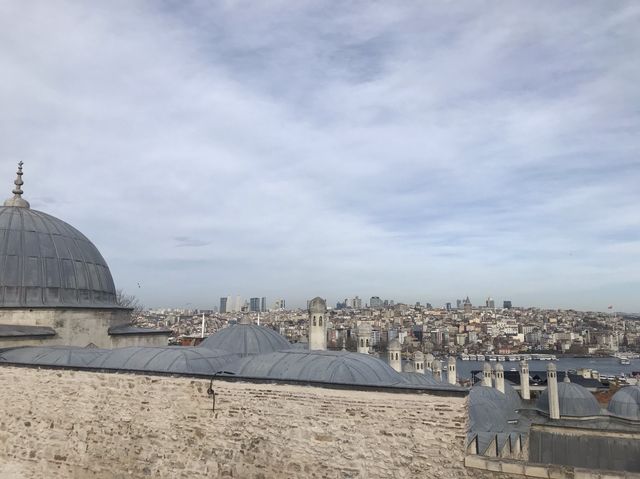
(626, 403)
(484, 416)
(168, 359)
(328, 367)
(575, 401)
(513, 397)
(317, 305)
(246, 339)
(503, 401)
(394, 345)
(418, 356)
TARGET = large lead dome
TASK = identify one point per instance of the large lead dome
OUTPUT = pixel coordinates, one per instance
(45, 262)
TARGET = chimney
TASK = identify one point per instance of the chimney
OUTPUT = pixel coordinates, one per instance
(500, 378)
(552, 391)
(524, 381)
(451, 371)
(437, 370)
(486, 375)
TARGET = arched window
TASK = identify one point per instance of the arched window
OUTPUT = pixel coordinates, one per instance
(396, 356)
(314, 320)
(361, 342)
(367, 342)
(320, 321)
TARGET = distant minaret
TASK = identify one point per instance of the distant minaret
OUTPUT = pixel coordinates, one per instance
(552, 391)
(364, 337)
(317, 324)
(394, 354)
(429, 362)
(524, 381)
(418, 362)
(451, 371)
(500, 377)
(486, 375)
(437, 370)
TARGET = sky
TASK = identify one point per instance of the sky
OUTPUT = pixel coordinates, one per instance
(416, 151)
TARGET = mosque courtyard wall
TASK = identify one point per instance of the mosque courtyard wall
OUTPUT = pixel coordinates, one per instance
(62, 423)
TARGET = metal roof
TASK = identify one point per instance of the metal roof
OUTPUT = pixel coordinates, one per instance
(62, 356)
(575, 401)
(164, 360)
(626, 403)
(419, 379)
(332, 367)
(45, 262)
(246, 339)
(16, 330)
(168, 359)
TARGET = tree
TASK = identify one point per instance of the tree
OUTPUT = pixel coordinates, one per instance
(125, 300)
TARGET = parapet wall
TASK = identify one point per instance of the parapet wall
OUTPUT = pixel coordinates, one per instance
(58, 423)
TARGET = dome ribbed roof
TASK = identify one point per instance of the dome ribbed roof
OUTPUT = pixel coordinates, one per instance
(330, 367)
(575, 401)
(246, 339)
(45, 262)
(164, 360)
(626, 403)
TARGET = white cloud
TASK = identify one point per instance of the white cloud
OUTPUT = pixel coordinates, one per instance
(417, 152)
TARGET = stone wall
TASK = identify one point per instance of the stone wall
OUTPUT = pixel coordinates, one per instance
(76, 327)
(57, 423)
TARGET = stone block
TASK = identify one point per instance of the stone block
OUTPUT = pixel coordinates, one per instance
(536, 471)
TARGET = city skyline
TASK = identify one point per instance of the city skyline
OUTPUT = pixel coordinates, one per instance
(415, 151)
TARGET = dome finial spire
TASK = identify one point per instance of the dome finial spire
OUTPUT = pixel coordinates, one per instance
(17, 199)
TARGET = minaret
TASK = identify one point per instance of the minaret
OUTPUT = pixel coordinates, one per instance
(17, 199)
(418, 362)
(524, 381)
(500, 377)
(552, 391)
(451, 371)
(363, 336)
(486, 375)
(317, 324)
(437, 370)
(395, 359)
(429, 362)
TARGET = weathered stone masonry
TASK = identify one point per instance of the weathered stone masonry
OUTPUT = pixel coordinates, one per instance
(57, 423)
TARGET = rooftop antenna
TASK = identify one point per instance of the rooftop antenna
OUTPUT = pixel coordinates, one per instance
(17, 199)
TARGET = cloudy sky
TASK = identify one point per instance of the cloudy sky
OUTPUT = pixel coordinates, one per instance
(417, 151)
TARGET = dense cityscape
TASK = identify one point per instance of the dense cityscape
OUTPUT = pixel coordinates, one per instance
(461, 328)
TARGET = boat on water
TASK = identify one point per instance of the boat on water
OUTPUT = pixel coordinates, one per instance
(464, 357)
(625, 361)
(480, 357)
(492, 358)
(512, 358)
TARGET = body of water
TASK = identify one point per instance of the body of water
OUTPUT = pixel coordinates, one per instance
(606, 366)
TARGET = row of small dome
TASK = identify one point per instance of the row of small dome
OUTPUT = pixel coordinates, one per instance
(494, 409)
(243, 350)
(577, 402)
